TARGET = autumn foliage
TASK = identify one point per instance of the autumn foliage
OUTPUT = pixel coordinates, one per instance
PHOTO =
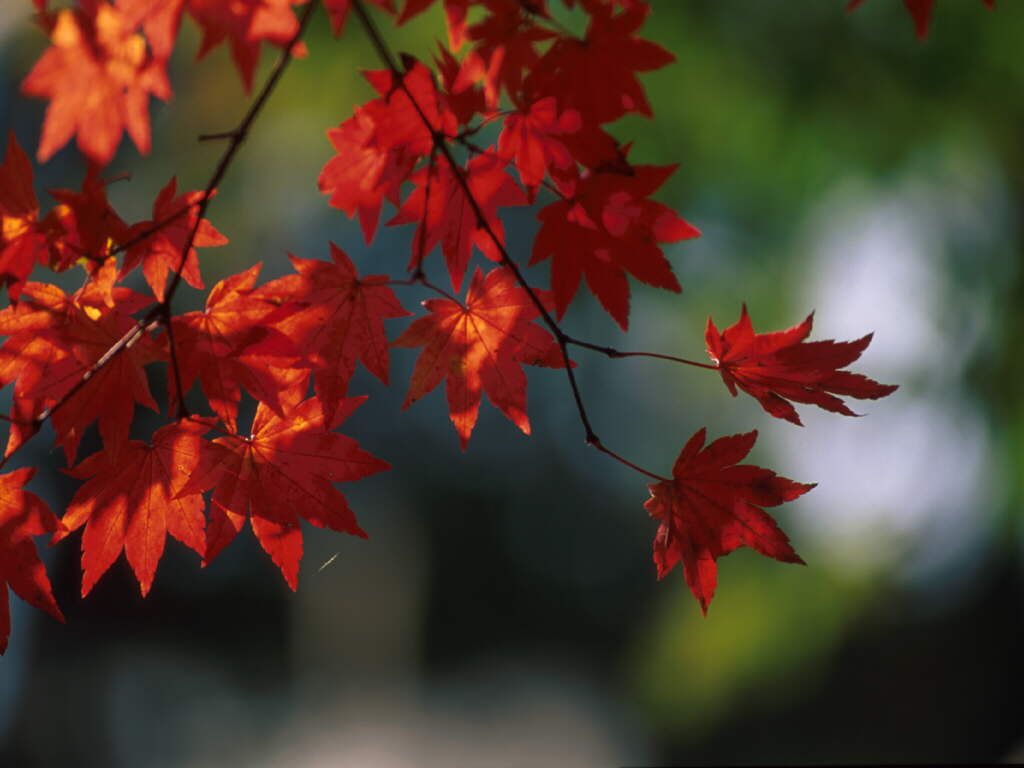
(294, 343)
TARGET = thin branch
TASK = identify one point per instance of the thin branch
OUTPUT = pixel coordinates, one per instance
(616, 353)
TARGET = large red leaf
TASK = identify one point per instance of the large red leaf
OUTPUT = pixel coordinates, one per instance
(608, 227)
(339, 320)
(778, 367)
(131, 502)
(713, 505)
(283, 471)
(22, 516)
(479, 348)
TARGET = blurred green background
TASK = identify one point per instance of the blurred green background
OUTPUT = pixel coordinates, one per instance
(505, 610)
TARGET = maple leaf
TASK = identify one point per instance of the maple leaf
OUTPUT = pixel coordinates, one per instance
(232, 344)
(159, 20)
(713, 505)
(778, 367)
(22, 516)
(54, 340)
(606, 228)
(98, 77)
(161, 251)
(597, 75)
(23, 241)
(378, 147)
(284, 469)
(446, 214)
(455, 17)
(89, 226)
(528, 136)
(407, 122)
(920, 11)
(245, 24)
(339, 320)
(505, 47)
(479, 348)
(362, 174)
(131, 501)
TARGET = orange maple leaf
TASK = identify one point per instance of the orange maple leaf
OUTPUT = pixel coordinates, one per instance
(98, 76)
(479, 348)
(131, 502)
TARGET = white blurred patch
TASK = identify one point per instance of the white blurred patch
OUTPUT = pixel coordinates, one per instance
(906, 488)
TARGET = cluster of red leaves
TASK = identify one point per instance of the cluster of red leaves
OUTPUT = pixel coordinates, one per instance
(919, 10)
(293, 344)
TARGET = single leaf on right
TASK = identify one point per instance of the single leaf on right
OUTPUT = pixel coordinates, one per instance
(479, 348)
(22, 516)
(713, 505)
(778, 367)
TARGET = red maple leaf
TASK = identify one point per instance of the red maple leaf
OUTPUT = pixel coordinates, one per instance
(479, 348)
(778, 367)
(161, 251)
(528, 137)
(713, 505)
(23, 240)
(505, 48)
(88, 226)
(379, 146)
(159, 20)
(284, 470)
(605, 229)
(98, 77)
(446, 215)
(245, 24)
(233, 344)
(362, 173)
(131, 502)
(920, 11)
(597, 75)
(22, 516)
(339, 320)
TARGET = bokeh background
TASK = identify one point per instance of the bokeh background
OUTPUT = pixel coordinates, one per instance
(505, 609)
